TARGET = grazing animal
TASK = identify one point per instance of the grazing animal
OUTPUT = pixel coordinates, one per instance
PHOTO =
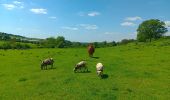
(99, 69)
(91, 50)
(79, 66)
(46, 62)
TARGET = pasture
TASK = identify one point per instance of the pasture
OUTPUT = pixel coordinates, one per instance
(131, 72)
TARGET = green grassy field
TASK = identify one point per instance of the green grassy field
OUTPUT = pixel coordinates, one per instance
(132, 72)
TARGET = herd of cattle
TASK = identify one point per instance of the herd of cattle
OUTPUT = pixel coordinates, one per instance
(81, 66)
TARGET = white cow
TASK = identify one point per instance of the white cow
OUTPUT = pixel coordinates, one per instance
(79, 66)
(99, 69)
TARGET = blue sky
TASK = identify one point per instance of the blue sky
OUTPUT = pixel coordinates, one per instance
(80, 20)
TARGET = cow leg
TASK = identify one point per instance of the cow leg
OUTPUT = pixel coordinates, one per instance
(52, 66)
(87, 69)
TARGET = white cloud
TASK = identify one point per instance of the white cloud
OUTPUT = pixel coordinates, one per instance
(89, 26)
(133, 18)
(39, 10)
(70, 28)
(82, 26)
(91, 14)
(17, 2)
(167, 23)
(9, 6)
(13, 5)
(94, 13)
(127, 24)
(108, 33)
(52, 17)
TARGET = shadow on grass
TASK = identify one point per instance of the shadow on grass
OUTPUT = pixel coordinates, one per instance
(83, 72)
(95, 57)
(22, 79)
(105, 76)
(52, 68)
(49, 68)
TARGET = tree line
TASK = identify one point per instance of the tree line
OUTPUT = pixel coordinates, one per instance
(60, 42)
(146, 32)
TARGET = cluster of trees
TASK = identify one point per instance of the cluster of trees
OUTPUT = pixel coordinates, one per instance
(8, 45)
(7, 37)
(60, 42)
(18, 38)
(4, 36)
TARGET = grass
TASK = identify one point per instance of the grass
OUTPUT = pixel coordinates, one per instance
(133, 72)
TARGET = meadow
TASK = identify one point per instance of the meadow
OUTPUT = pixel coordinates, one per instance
(132, 72)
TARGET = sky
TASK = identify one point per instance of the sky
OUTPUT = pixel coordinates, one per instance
(80, 20)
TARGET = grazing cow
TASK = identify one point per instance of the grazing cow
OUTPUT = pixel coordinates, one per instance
(99, 69)
(46, 62)
(91, 50)
(80, 65)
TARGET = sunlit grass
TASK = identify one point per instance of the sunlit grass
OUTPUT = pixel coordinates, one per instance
(140, 72)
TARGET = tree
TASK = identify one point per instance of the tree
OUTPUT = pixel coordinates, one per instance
(149, 29)
(96, 44)
(126, 41)
(60, 42)
(113, 43)
(6, 45)
(50, 42)
(76, 44)
(68, 43)
(6, 37)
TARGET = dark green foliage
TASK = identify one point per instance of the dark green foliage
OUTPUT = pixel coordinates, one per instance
(18, 38)
(49, 42)
(5, 37)
(20, 42)
(76, 44)
(21, 46)
(60, 42)
(151, 29)
(104, 44)
(8, 45)
(96, 44)
(52, 42)
(126, 41)
(113, 43)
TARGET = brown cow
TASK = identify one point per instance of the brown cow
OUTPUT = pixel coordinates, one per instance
(91, 50)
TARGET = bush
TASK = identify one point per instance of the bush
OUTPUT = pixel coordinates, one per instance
(8, 45)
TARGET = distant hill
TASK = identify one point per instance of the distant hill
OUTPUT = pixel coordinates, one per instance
(6, 36)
